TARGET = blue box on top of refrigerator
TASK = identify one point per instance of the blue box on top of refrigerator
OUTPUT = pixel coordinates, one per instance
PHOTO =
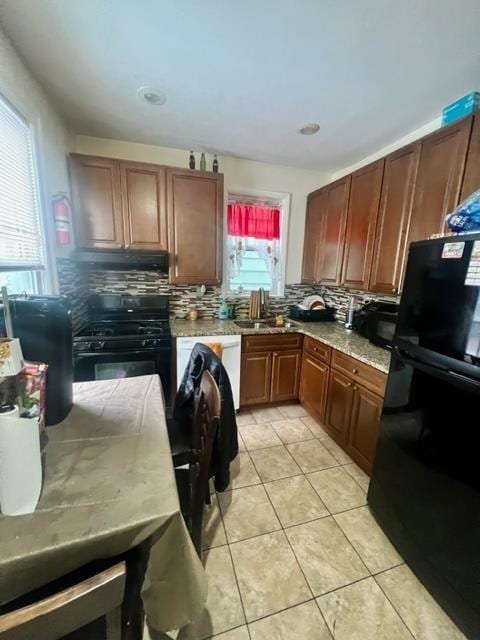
(425, 485)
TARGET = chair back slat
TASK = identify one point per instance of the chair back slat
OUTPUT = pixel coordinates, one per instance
(206, 423)
(69, 610)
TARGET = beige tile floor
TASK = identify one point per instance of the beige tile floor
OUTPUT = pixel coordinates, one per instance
(292, 552)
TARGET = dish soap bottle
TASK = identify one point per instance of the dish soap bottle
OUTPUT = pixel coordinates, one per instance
(223, 310)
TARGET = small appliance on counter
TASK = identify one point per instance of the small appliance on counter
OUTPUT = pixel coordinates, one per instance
(43, 325)
(125, 336)
(377, 321)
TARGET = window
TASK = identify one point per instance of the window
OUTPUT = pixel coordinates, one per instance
(21, 242)
(255, 244)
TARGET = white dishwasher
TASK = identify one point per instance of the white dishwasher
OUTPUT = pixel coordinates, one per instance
(232, 346)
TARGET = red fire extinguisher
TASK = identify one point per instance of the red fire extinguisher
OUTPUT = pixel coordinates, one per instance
(61, 217)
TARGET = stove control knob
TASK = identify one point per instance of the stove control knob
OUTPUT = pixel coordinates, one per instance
(99, 346)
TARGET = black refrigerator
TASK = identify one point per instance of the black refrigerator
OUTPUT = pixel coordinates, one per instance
(425, 485)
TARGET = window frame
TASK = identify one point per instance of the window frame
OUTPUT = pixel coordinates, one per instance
(45, 279)
(238, 193)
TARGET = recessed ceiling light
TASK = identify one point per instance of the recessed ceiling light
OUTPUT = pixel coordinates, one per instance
(308, 129)
(152, 96)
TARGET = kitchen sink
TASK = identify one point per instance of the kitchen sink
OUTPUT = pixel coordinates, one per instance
(261, 324)
(251, 324)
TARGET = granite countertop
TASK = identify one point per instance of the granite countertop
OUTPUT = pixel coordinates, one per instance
(331, 333)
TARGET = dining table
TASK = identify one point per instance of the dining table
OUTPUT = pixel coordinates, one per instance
(109, 489)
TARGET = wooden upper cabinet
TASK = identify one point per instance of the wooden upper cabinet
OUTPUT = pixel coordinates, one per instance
(361, 221)
(333, 231)
(195, 226)
(144, 206)
(439, 178)
(471, 179)
(316, 202)
(393, 218)
(97, 202)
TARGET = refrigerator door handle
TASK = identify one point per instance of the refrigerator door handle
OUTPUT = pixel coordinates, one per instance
(445, 374)
(465, 379)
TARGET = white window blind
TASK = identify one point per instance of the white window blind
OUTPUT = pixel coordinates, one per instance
(21, 244)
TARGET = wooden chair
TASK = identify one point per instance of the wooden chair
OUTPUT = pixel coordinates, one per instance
(73, 609)
(192, 481)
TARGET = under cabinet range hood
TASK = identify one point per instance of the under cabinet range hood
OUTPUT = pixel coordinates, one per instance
(122, 260)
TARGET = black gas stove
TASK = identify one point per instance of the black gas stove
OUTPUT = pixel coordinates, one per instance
(125, 336)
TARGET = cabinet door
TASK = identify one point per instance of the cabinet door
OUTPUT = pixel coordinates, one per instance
(471, 178)
(195, 226)
(339, 407)
(143, 200)
(439, 177)
(97, 202)
(361, 220)
(393, 218)
(313, 230)
(286, 367)
(364, 426)
(333, 232)
(313, 386)
(255, 378)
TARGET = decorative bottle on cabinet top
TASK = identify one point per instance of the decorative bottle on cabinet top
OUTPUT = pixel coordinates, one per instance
(191, 161)
(203, 162)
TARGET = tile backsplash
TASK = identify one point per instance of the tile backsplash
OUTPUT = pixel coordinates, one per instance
(77, 282)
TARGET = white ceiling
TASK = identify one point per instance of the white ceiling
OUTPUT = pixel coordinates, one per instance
(241, 75)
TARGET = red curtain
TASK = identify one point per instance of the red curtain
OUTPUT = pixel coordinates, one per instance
(253, 221)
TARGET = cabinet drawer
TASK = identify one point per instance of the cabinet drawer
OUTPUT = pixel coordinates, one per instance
(272, 342)
(317, 349)
(359, 372)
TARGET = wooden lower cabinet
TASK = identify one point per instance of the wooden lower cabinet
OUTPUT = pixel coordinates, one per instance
(352, 417)
(286, 367)
(364, 425)
(314, 386)
(255, 378)
(271, 367)
(339, 407)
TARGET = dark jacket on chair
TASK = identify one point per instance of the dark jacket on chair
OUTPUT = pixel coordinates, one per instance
(225, 446)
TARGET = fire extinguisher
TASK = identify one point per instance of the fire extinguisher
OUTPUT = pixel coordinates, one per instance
(61, 217)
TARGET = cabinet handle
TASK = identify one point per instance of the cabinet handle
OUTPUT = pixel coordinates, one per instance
(349, 384)
(275, 354)
(355, 388)
(315, 348)
(394, 289)
(354, 370)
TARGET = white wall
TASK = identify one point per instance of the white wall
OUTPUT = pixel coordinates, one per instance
(238, 173)
(401, 142)
(52, 139)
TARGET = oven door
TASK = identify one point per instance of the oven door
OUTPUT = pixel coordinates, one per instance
(125, 364)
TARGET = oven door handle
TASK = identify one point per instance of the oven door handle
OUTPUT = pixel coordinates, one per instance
(124, 354)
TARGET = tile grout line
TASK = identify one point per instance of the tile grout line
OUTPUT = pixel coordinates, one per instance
(283, 528)
(234, 572)
(391, 603)
(286, 537)
(295, 556)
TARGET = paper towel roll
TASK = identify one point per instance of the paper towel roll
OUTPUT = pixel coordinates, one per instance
(20, 464)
